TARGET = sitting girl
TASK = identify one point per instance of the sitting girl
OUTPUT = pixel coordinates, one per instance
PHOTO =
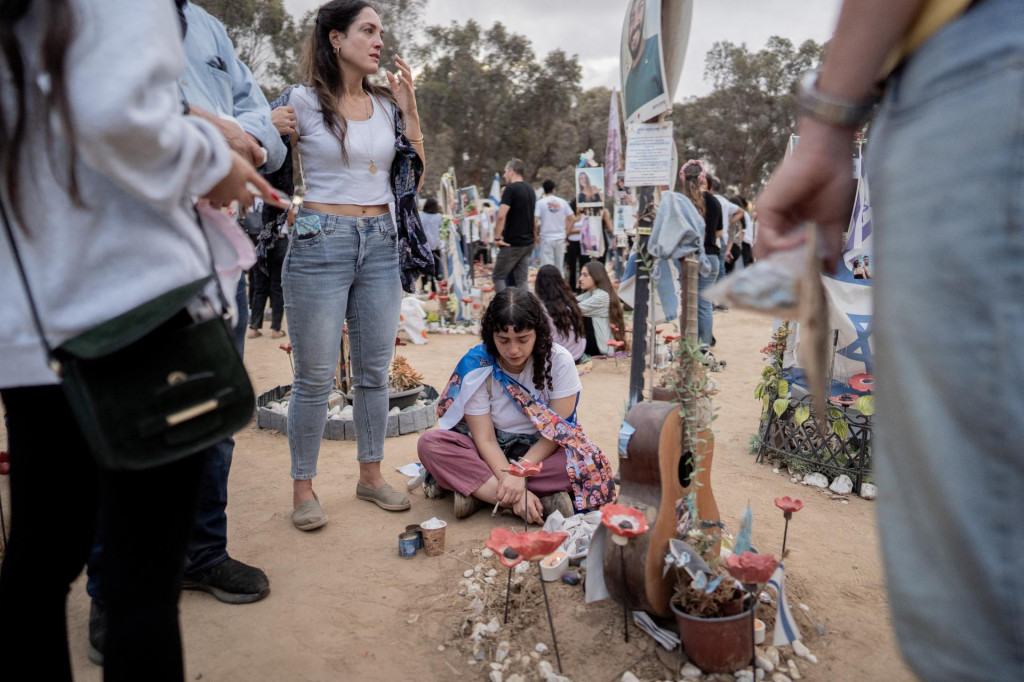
(563, 313)
(602, 311)
(515, 396)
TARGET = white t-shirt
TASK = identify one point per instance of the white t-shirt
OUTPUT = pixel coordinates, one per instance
(552, 212)
(328, 179)
(575, 236)
(491, 398)
(728, 209)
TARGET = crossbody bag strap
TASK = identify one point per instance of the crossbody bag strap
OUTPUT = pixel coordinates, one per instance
(54, 364)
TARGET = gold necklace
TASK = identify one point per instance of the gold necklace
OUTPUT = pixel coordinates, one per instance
(368, 148)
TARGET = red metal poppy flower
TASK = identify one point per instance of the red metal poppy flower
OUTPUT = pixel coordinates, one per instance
(524, 469)
(845, 399)
(500, 543)
(286, 347)
(512, 547)
(788, 505)
(750, 568)
(669, 338)
(862, 382)
(623, 522)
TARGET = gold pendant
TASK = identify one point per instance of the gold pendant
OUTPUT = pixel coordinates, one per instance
(373, 168)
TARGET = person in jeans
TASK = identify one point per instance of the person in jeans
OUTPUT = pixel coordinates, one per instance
(118, 230)
(513, 233)
(343, 258)
(695, 187)
(947, 138)
(241, 113)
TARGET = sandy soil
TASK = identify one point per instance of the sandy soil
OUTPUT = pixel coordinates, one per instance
(342, 600)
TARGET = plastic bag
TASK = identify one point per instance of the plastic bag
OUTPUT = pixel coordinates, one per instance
(413, 320)
(771, 285)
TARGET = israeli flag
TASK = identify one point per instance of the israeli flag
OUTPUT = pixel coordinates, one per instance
(458, 285)
(495, 191)
(785, 627)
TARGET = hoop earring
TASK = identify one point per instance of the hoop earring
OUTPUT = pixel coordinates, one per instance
(337, 50)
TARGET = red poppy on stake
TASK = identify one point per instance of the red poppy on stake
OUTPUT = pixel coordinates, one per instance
(512, 547)
(286, 347)
(623, 522)
(750, 568)
(788, 505)
(524, 468)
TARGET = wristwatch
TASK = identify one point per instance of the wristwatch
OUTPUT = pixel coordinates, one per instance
(833, 111)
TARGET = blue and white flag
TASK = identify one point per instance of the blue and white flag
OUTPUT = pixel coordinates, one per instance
(785, 627)
(495, 191)
(458, 282)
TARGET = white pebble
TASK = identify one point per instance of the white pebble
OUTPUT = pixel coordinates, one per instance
(779, 677)
(486, 553)
(690, 670)
(800, 649)
(501, 653)
(495, 676)
(491, 573)
(811, 658)
(629, 677)
(495, 666)
(541, 647)
(468, 573)
(763, 663)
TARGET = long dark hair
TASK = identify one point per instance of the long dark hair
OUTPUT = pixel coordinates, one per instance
(691, 187)
(521, 310)
(321, 71)
(58, 28)
(553, 291)
(600, 276)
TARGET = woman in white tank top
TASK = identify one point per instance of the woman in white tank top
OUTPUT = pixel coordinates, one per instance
(343, 256)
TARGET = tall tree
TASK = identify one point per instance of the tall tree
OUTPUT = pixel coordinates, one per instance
(742, 127)
(484, 98)
(257, 28)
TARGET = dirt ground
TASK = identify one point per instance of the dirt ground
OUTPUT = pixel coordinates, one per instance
(344, 606)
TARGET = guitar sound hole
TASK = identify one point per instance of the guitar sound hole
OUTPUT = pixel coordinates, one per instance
(686, 469)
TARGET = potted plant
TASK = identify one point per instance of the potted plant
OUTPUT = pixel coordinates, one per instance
(404, 383)
(709, 604)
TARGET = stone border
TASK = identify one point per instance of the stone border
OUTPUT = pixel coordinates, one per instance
(416, 420)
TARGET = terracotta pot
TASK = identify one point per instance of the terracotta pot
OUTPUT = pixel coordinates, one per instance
(716, 645)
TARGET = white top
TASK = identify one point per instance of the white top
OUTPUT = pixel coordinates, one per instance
(728, 209)
(139, 162)
(432, 229)
(491, 398)
(594, 304)
(328, 179)
(552, 212)
(575, 236)
(748, 229)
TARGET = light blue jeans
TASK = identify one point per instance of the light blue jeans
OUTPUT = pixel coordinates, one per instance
(705, 309)
(340, 269)
(946, 167)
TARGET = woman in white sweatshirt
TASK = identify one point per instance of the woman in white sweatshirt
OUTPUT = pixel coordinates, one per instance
(98, 170)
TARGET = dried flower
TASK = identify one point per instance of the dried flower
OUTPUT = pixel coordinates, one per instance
(401, 375)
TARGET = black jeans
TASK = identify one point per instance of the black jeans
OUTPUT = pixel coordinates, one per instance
(268, 284)
(58, 499)
(574, 260)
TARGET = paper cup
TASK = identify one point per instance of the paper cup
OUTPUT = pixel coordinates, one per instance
(433, 540)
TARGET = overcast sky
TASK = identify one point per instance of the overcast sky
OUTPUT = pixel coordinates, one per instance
(591, 29)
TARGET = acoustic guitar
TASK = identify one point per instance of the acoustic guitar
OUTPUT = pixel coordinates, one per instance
(656, 471)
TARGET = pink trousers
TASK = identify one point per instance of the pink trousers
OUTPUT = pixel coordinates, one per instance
(455, 463)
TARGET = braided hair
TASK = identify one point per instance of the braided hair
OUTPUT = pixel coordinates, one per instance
(521, 310)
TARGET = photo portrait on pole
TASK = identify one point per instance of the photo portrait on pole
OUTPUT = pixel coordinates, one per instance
(644, 90)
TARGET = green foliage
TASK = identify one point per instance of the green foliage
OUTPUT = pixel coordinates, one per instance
(484, 97)
(753, 444)
(744, 124)
(865, 405)
(801, 414)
